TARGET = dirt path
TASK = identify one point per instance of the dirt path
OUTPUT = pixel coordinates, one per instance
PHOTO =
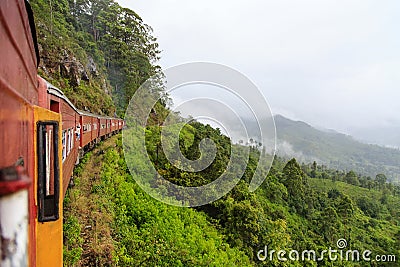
(92, 215)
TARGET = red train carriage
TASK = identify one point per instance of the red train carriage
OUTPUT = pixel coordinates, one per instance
(90, 129)
(120, 124)
(30, 210)
(41, 135)
(113, 125)
(56, 101)
(108, 127)
(18, 95)
(87, 125)
(116, 125)
(103, 127)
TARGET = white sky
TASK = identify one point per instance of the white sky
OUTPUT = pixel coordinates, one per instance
(334, 64)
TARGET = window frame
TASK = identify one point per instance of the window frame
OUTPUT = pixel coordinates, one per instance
(43, 190)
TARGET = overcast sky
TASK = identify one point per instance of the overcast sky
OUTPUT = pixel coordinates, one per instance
(333, 64)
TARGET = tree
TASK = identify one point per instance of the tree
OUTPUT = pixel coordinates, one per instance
(329, 224)
(369, 207)
(334, 193)
(345, 210)
(381, 180)
(293, 180)
(351, 178)
(314, 170)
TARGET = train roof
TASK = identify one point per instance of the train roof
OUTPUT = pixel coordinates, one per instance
(51, 89)
(86, 113)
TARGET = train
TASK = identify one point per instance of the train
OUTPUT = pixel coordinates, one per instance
(42, 137)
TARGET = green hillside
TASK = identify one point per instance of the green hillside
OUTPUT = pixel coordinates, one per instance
(96, 51)
(110, 220)
(296, 138)
(129, 227)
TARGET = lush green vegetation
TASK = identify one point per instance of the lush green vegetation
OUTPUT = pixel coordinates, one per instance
(291, 210)
(297, 207)
(90, 48)
(139, 230)
(94, 49)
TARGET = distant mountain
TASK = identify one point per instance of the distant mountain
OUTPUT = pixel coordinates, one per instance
(388, 136)
(301, 140)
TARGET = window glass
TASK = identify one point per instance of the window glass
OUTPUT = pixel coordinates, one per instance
(64, 145)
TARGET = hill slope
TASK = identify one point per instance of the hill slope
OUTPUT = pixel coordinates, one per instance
(296, 138)
(110, 221)
(95, 51)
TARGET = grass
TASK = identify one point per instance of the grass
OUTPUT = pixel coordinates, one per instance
(87, 220)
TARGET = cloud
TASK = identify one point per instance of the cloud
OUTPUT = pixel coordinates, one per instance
(331, 63)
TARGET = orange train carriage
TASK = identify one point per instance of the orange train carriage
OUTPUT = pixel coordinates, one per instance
(42, 136)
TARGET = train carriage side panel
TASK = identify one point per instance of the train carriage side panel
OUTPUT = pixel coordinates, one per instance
(106, 129)
(18, 92)
(103, 127)
(17, 50)
(59, 103)
(98, 128)
(95, 132)
(86, 130)
(92, 129)
(48, 187)
(108, 126)
(77, 132)
(69, 151)
(80, 126)
(111, 125)
(114, 125)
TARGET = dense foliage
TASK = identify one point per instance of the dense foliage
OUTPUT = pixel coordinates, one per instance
(291, 210)
(297, 207)
(92, 49)
(141, 231)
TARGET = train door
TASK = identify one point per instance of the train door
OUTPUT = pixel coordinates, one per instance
(48, 187)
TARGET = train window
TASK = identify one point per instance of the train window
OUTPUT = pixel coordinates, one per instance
(78, 132)
(86, 128)
(69, 141)
(55, 106)
(95, 126)
(48, 171)
(64, 145)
